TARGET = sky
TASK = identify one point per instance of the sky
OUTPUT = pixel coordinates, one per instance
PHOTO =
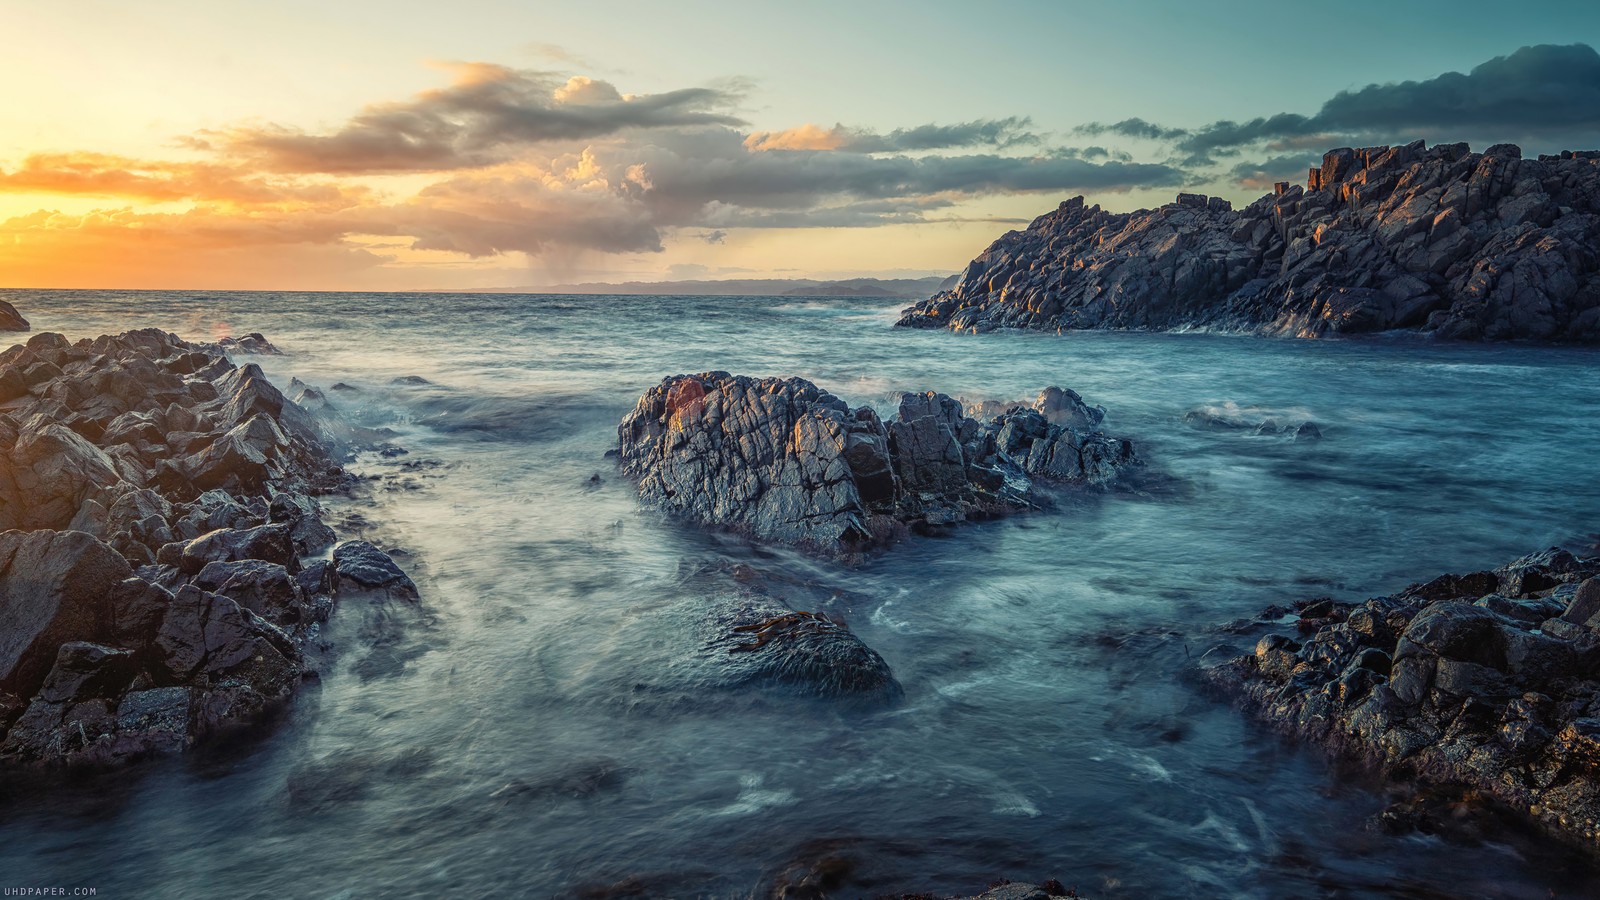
(404, 145)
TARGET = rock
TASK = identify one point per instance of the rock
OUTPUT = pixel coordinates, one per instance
(172, 607)
(1458, 245)
(85, 671)
(781, 459)
(48, 475)
(269, 543)
(357, 565)
(253, 343)
(53, 587)
(1439, 683)
(755, 640)
(10, 319)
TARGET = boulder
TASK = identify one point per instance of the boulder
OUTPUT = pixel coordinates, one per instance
(359, 566)
(53, 589)
(753, 639)
(10, 319)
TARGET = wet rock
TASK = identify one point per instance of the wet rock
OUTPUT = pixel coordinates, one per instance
(173, 608)
(781, 459)
(357, 565)
(85, 671)
(253, 343)
(754, 639)
(1462, 680)
(10, 319)
(268, 543)
(1438, 240)
(52, 591)
(48, 474)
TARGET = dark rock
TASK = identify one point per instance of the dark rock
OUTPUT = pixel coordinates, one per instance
(53, 587)
(1452, 687)
(10, 319)
(755, 640)
(1459, 245)
(357, 565)
(269, 543)
(783, 460)
(163, 455)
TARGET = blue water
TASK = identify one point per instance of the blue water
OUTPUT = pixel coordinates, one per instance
(546, 742)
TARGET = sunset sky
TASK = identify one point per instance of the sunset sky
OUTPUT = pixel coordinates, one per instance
(401, 145)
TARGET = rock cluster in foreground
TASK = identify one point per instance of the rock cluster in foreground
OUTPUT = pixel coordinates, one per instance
(162, 561)
(1475, 246)
(784, 460)
(1489, 680)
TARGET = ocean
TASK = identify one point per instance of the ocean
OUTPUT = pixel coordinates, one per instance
(544, 734)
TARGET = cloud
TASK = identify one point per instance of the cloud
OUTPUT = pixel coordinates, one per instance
(1263, 175)
(104, 175)
(714, 237)
(1132, 128)
(1544, 93)
(484, 116)
(998, 133)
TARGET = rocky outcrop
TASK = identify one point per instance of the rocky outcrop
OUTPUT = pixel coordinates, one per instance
(1489, 680)
(1474, 246)
(159, 579)
(784, 460)
(10, 319)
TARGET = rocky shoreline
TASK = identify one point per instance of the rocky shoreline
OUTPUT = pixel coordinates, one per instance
(165, 571)
(1438, 240)
(1486, 682)
(780, 459)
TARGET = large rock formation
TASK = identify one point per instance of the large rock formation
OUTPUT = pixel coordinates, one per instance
(1489, 680)
(784, 460)
(156, 543)
(1476, 246)
(10, 319)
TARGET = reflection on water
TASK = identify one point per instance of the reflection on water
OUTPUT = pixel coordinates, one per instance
(551, 740)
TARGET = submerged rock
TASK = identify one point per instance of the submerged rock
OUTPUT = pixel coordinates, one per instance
(784, 460)
(1473, 246)
(754, 639)
(1489, 680)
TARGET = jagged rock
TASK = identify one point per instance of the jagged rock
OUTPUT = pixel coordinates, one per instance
(161, 455)
(253, 343)
(52, 589)
(783, 460)
(48, 474)
(269, 543)
(10, 319)
(1481, 680)
(357, 565)
(1461, 245)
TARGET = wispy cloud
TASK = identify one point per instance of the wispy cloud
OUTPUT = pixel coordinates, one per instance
(997, 133)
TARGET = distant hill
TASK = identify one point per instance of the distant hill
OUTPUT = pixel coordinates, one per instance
(888, 288)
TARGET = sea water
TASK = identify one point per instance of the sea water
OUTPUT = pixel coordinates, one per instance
(543, 738)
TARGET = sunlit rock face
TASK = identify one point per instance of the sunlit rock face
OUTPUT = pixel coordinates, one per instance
(158, 543)
(783, 460)
(1485, 680)
(1473, 246)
